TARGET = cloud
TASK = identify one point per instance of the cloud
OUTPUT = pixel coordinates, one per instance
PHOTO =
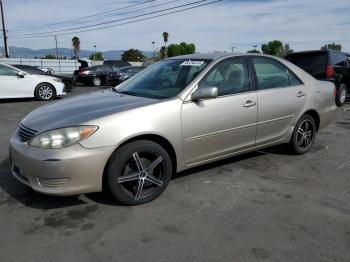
(302, 24)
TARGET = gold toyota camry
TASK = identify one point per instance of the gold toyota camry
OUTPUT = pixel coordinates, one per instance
(176, 114)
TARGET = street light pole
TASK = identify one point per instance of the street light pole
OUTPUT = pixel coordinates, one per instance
(153, 42)
(94, 54)
(4, 30)
(233, 48)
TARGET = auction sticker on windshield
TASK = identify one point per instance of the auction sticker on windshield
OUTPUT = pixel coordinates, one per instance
(192, 63)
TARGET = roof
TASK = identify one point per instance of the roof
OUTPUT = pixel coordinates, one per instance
(216, 56)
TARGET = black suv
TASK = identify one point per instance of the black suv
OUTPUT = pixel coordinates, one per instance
(326, 65)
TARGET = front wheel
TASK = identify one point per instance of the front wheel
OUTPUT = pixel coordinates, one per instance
(44, 92)
(303, 135)
(139, 172)
(341, 95)
(96, 81)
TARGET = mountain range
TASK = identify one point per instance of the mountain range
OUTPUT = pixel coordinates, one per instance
(23, 52)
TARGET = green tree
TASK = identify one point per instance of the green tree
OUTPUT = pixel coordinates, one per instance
(98, 56)
(76, 46)
(49, 56)
(276, 48)
(333, 46)
(165, 38)
(181, 49)
(133, 55)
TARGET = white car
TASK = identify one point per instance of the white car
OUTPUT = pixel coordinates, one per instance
(15, 83)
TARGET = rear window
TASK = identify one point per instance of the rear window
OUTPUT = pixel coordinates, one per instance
(337, 59)
(308, 59)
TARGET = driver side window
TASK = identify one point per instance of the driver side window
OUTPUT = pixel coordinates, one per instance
(7, 71)
(229, 76)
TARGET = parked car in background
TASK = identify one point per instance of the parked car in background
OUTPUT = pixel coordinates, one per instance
(16, 83)
(179, 113)
(94, 75)
(116, 63)
(34, 70)
(122, 74)
(97, 75)
(326, 65)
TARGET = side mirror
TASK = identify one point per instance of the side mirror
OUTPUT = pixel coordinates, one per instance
(20, 75)
(204, 93)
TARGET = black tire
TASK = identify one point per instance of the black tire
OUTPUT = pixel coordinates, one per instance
(96, 81)
(125, 178)
(45, 92)
(303, 135)
(341, 95)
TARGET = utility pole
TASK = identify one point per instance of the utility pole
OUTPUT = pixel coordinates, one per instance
(56, 47)
(4, 30)
(57, 57)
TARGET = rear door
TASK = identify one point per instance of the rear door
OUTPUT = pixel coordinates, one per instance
(281, 97)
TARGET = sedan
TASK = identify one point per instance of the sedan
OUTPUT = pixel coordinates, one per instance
(122, 74)
(35, 70)
(15, 83)
(176, 114)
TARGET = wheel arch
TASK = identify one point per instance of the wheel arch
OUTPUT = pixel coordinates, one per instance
(160, 140)
(313, 113)
(47, 83)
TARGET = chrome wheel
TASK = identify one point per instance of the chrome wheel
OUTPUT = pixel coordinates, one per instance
(305, 135)
(45, 92)
(342, 97)
(96, 81)
(142, 175)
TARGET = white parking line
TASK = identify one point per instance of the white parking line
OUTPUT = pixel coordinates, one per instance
(347, 109)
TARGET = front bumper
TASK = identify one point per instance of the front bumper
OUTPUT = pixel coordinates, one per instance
(67, 171)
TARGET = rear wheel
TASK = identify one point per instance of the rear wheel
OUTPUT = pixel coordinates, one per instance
(96, 81)
(139, 172)
(45, 92)
(341, 95)
(303, 135)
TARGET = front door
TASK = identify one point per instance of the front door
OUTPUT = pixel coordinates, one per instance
(217, 127)
(10, 84)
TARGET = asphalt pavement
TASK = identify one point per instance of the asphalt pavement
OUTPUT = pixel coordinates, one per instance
(261, 206)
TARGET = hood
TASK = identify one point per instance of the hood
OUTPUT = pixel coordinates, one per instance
(45, 77)
(82, 109)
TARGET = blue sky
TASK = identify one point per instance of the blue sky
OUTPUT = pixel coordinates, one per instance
(304, 24)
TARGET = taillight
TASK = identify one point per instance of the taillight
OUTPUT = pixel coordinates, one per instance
(329, 71)
(335, 92)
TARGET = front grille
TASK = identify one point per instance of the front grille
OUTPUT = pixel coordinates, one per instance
(26, 133)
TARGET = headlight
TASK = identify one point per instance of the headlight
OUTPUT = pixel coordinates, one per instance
(62, 137)
(57, 80)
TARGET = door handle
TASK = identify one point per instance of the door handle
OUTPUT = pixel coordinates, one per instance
(249, 103)
(301, 94)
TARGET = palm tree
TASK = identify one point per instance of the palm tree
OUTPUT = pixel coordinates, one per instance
(165, 37)
(76, 46)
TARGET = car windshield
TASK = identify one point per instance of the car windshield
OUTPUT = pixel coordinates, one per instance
(164, 79)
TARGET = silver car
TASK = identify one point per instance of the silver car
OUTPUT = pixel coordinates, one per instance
(179, 113)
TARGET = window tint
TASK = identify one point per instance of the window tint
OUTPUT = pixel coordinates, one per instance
(229, 76)
(270, 74)
(293, 80)
(7, 71)
(311, 59)
(337, 59)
